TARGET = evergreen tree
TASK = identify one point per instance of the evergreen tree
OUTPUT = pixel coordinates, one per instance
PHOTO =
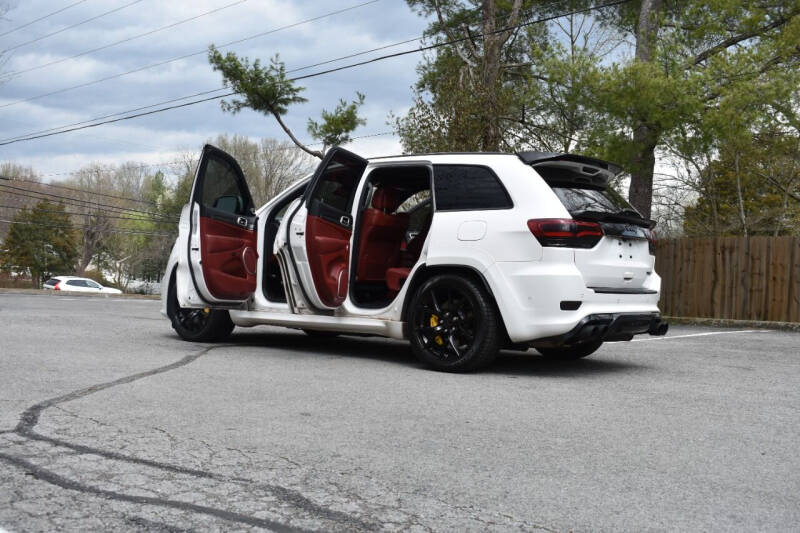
(41, 242)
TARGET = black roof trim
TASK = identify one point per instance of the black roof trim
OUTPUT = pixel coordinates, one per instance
(534, 158)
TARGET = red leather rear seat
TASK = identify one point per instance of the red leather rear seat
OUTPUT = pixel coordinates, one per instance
(381, 235)
(396, 276)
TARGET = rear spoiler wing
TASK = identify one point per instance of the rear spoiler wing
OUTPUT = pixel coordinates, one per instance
(571, 168)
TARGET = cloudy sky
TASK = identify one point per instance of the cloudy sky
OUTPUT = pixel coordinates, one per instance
(159, 137)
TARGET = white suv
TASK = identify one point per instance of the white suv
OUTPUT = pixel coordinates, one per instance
(462, 254)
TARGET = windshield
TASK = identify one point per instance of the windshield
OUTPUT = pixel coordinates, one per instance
(604, 201)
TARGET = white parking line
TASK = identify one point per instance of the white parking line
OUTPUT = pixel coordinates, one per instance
(702, 334)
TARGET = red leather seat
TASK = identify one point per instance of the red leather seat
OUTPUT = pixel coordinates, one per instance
(381, 235)
(414, 246)
(396, 276)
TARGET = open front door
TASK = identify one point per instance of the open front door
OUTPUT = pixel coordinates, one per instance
(322, 226)
(221, 253)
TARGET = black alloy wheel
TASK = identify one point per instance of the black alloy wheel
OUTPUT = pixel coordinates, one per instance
(197, 325)
(453, 324)
(192, 320)
(446, 325)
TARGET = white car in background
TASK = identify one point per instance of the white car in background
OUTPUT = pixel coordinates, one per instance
(461, 254)
(76, 284)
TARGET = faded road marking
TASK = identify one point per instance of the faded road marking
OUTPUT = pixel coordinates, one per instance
(703, 334)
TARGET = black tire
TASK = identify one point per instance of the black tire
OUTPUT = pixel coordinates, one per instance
(197, 325)
(453, 325)
(569, 353)
(319, 334)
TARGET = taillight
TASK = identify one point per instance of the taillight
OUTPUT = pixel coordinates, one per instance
(651, 241)
(565, 232)
(56, 287)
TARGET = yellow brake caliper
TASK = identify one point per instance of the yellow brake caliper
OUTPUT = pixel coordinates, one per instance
(434, 321)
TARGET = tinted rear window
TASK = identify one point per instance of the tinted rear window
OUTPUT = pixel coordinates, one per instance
(468, 187)
(581, 199)
(52, 281)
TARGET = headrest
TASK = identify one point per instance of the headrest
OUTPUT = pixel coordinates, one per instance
(385, 199)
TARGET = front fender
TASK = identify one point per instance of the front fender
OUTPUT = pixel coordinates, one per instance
(169, 274)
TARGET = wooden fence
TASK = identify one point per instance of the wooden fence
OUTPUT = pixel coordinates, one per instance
(744, 278)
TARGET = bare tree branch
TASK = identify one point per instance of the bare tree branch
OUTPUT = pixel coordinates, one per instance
(735, 39)
(464, 57)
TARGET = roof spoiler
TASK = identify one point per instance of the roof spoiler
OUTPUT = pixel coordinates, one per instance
(571, 167)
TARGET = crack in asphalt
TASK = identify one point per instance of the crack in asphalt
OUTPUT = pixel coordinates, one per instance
(30, 418)
(65, 483)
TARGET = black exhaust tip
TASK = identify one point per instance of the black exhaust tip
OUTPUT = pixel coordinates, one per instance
(659, 329)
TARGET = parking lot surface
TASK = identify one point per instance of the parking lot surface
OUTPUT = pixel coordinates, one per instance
(109, 422)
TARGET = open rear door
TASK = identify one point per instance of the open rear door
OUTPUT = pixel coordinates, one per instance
(321, 229)
(221, 248)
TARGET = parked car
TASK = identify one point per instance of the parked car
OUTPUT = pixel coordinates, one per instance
(461, 254)
(77, 284)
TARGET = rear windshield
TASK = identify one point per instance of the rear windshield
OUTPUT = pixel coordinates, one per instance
(52, 281)
(580, 199)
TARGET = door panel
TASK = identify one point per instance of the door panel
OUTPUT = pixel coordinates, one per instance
(327, 205)
(328, 249)
(222, 257)
(229, 259)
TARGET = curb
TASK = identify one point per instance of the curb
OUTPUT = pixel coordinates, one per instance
(731, 323)
(52, 293)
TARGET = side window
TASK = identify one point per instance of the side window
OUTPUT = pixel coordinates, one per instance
(336, 187)
(76, 283)
(467, 187)
(221, 188)
(412, 203)
(94, 285)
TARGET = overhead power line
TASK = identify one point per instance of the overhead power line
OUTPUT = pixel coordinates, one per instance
(211, 91)
(122, 41)
(171, 163)
(319, 73)
(202, 93)
(67, 202)
(26, 43)
(34, 21)
(85, 226)
(76, 189)
(96, 214)
(87, 203)
(186, 56)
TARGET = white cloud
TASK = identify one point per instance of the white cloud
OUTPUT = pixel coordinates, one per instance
(155, 138)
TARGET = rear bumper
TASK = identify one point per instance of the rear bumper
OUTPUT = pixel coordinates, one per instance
(548, 298)
(607, 327)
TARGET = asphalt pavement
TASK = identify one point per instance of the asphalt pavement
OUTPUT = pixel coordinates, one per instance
(109, 422)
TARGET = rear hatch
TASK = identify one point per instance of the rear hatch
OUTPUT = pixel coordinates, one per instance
(621, 260)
